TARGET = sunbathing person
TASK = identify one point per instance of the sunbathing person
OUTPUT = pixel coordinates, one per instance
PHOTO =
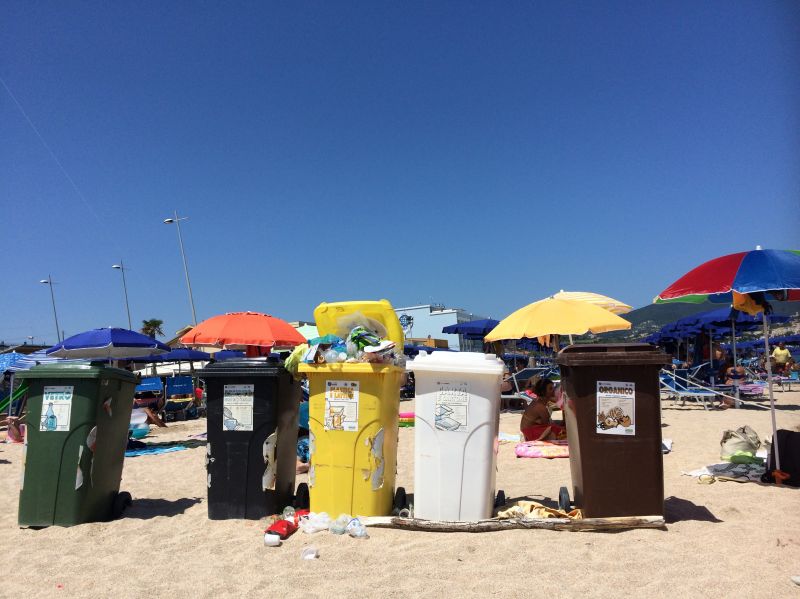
(734, 375)
(536, 424)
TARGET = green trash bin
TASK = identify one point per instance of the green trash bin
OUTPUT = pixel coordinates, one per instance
(77, 431)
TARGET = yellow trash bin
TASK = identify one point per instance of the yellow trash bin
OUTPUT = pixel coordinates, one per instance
(353, 413)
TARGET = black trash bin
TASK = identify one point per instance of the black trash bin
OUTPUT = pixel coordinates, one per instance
(252, 437)
(612, 410)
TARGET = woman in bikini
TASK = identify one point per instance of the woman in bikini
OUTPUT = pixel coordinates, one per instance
(536, 424)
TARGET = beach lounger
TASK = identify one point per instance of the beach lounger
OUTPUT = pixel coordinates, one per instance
(682, 390)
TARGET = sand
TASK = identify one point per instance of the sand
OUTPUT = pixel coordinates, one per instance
(723, 540)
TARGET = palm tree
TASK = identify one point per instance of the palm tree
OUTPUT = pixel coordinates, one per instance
(152, 327)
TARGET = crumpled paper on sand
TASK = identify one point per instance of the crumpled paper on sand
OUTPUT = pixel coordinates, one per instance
(526, 509)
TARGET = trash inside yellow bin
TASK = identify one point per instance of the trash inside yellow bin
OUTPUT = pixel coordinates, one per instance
(353, 412)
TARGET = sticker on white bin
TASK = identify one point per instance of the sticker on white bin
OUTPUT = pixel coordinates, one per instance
(56, 408)
(452, 406)
(616, 403)
(341, 406)
(237, 407)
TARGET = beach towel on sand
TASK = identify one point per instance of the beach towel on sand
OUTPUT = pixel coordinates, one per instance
(740, 473)
(132, 453)
(526, 509)
(542, 449)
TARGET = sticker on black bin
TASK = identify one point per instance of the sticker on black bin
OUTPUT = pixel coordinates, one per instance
(237, 407)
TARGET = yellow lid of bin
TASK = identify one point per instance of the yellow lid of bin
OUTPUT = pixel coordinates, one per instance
(329, 315)
(346, 368)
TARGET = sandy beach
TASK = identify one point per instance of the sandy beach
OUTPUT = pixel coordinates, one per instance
(725, 539)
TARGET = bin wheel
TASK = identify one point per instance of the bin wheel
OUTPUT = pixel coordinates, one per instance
(301, 498)
(564, 503)
(500, 499)
(121, 501)
(400, 499)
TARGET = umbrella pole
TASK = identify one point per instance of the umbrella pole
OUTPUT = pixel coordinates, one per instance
(737, 403)
(771, 397)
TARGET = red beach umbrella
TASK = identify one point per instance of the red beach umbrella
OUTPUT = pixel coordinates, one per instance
(240, 330)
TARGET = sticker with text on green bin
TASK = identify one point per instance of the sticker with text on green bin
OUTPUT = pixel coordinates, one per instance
(616, 403)
(56, 408)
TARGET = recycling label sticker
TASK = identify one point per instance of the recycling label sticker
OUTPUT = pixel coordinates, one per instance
(56, 408)
(451, 411)
(237, 407)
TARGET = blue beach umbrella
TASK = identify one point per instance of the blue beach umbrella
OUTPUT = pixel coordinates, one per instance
(111, 343)
(180, 354)
(228, 354)
(479, 328)
(9, 360)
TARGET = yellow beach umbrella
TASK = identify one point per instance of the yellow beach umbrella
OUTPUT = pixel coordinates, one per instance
(605, 302)
(556, 317)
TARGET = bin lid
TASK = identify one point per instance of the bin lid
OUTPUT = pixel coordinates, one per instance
(328, 314)
(244, 367)
(462, 362)
(77, 371)
(349, 368)
(612, 354)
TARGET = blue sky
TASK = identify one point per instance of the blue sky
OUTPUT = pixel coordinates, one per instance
(470, 153)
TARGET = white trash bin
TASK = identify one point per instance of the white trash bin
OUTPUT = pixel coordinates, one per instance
(457, 416)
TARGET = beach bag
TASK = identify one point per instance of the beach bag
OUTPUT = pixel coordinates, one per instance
(788, 443)
(739, 446)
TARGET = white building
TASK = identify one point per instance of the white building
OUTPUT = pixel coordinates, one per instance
(421, 322)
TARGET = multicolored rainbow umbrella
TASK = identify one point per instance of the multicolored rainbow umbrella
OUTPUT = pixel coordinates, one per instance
(758, 274)
(743, 272)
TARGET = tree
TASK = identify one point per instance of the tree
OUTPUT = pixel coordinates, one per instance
(152, 327)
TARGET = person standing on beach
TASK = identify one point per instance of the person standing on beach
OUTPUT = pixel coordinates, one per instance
(781, 355)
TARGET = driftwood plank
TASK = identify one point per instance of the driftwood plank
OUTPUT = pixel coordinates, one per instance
(585, 524)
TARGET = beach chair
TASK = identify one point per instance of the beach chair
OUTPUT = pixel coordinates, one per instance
(683, 390)
(180, 404)
(516, 398)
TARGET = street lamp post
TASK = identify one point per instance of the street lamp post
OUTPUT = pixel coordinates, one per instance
(177, 220)
(49, 281)
(121, 268)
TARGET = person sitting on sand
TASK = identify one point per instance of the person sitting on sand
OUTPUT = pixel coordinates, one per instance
(536, 424)
(734, 375)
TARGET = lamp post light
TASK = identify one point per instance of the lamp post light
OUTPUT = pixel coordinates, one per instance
(177, 221)
(121, 267)
(49, 281)
(30, 339)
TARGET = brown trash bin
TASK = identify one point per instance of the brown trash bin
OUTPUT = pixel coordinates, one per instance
(612, 410)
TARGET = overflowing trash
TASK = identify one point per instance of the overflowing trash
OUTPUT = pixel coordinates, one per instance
(360, 340)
